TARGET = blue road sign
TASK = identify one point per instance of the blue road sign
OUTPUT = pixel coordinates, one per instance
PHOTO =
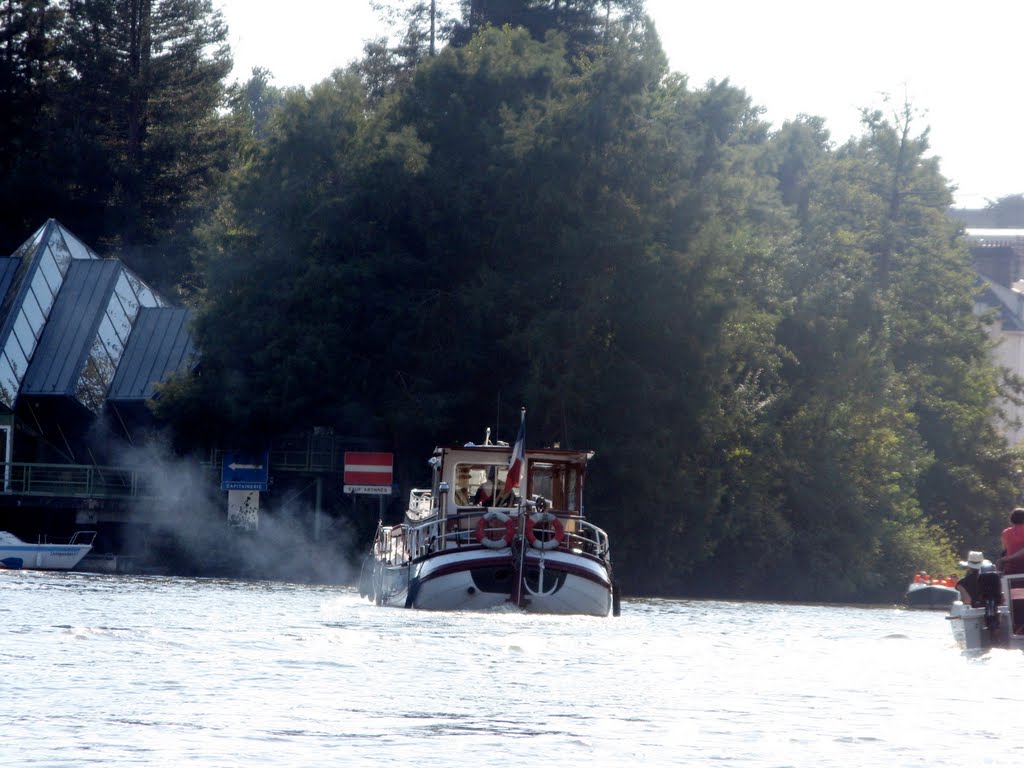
(244, 471)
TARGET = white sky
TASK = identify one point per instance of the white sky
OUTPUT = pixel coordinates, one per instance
(958, 64)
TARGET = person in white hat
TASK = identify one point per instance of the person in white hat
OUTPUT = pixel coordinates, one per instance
(968, 585)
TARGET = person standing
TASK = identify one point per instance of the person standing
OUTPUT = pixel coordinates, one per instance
(1012, 560)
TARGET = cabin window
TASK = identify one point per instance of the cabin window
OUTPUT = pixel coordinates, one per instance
(558, 483)
(470, 477)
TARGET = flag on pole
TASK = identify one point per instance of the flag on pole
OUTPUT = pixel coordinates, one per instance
(515, 464)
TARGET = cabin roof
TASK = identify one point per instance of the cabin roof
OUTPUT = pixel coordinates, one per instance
(491, 453)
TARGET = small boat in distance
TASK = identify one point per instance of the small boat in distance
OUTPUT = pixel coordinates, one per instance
(931, 593)
(17, 554)
(499, 526)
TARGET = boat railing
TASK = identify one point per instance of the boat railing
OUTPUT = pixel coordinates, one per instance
(83, 538)
(435, 536)
(459, 530)
(420, 504)
(584, 536)
(391, 545)
(78, 539)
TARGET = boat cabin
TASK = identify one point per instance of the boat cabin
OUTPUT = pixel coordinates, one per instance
(469, 504)
(475, 477)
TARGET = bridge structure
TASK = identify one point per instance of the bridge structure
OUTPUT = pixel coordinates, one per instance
(314, 455)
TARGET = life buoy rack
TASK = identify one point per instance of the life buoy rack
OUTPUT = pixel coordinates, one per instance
(489, 523)
(548, 524)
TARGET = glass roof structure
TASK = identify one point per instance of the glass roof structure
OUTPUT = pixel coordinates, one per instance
(70, 326)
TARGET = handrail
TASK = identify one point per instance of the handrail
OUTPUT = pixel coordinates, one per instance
(306, 452)
(77, 480)
(421, 539)
(300, 453)
(83, 538)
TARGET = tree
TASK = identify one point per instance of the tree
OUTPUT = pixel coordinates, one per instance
(254, 102)
(1007, 211)
(29, 178)
(585, 23)
(281, 275)
(880, 467)
(767, 340)
(385, 67)
(497, 226)
(136, 109)
(940, 348)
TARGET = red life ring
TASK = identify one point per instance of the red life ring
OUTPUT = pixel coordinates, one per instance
(489, 523)
(551, 526)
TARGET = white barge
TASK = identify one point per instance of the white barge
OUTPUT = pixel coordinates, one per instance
(498, 526)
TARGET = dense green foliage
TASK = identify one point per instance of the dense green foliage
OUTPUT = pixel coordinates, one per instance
(111, 123)
(767, 338)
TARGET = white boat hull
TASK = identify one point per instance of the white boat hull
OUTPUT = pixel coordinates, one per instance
(16, 554)
(42, 557)
(484, 579)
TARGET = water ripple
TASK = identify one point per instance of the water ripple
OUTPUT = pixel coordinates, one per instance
(216, 672)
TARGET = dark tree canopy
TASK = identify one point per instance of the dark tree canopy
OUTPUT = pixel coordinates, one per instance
(767, 339)
(116, 129)
(585, 23)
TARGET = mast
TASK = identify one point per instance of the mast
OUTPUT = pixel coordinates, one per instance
(519, 558)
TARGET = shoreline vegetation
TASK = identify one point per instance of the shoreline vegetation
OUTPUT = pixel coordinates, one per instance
(764, 332)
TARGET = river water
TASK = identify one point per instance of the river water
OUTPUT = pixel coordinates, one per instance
(128, 670)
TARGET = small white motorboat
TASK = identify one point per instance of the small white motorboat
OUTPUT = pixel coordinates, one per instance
(996, 618)
(499, 526)
(16, 554)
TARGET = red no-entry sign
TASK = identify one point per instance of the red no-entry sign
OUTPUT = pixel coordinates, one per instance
(368, 472)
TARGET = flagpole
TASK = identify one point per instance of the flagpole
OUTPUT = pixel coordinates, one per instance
(522, 469)
(519, 452)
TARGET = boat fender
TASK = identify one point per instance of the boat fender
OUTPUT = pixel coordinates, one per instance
(553, 524)
(412, 593)
(378, 587)
(491, 521)
(366, 577)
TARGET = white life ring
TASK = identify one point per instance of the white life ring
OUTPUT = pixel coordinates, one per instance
(491, 521)
(553, 526)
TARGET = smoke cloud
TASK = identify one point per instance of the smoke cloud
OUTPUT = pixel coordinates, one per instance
(179, 525)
